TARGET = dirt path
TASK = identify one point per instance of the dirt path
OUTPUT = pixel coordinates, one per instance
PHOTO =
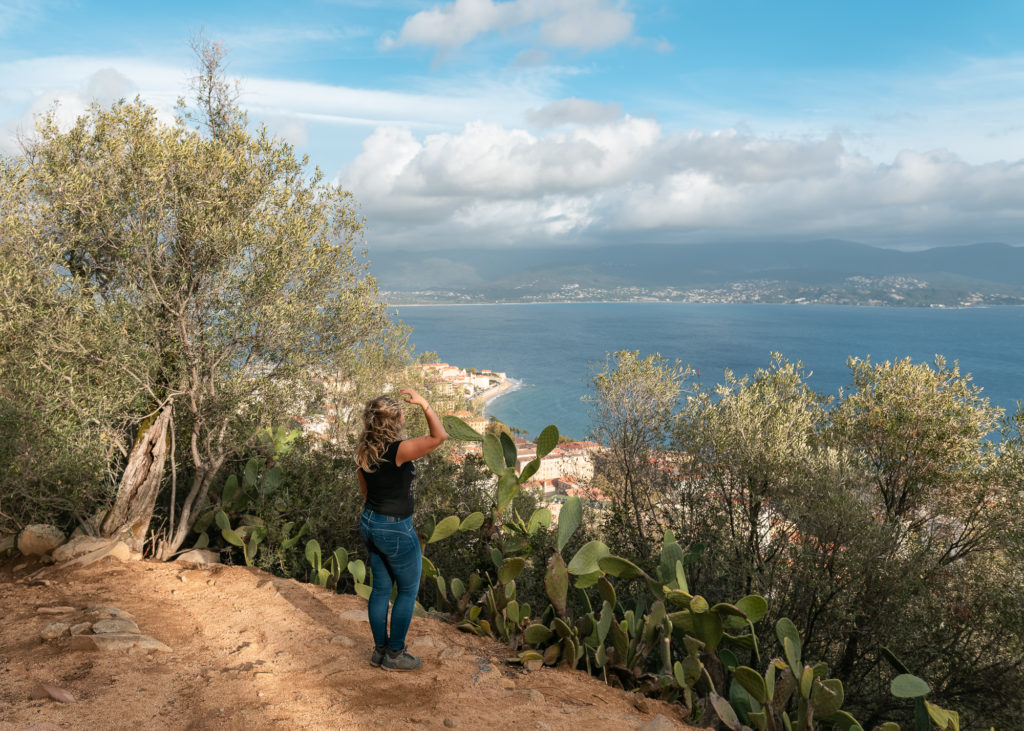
(251, 651)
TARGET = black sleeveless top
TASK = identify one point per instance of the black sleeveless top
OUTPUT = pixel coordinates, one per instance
(389, 487)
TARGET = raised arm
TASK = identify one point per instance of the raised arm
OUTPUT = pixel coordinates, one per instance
(411, 449)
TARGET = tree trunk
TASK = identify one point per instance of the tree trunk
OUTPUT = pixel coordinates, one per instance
(169, 545)
(128, 519)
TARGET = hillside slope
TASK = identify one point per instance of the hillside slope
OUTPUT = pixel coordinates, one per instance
(248, 650)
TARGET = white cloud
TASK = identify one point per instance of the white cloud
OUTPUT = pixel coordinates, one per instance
(629, 178)
(104, 86)
(580, 24)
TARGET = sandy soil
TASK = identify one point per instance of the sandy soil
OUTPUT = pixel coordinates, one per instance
(251, 651)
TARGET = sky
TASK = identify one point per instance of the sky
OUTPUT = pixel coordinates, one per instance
(519, 123)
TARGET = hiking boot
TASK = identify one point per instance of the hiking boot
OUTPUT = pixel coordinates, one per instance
(378, 655)
(400, 660)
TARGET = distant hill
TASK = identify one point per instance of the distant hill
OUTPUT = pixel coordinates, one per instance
(825, 270)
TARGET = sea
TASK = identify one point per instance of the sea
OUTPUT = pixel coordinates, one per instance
(553, 350)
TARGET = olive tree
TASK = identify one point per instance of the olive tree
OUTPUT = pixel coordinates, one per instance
(748, 444)
(62, 412)
(885, 519)
(231, 270)
(633, 411)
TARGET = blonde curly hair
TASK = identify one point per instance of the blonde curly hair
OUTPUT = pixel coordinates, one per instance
(382, 425)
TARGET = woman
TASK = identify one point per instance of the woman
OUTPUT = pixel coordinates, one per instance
(385, 474)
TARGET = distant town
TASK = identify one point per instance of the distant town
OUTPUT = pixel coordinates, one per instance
(892, 291)
(813, 273)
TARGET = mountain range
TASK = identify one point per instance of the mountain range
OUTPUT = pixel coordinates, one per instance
(831, 270)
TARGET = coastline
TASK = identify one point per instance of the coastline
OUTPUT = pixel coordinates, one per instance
(486, 397)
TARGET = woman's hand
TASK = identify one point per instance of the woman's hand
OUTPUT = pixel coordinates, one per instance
(410, 449)
(411, 396)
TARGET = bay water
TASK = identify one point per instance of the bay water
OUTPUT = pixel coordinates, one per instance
(553, 350)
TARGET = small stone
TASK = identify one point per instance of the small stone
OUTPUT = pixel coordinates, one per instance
(640, 704)
(20, 566)
(117, 641)
(181, 578)
(7, 542)
(39, 539)
(535, 696)
(81, 628)
(343, 641)
(199, 556)
(658, 723)
(533, 665)
(103, 611)
(55, 610)
(51, 691)
(449, 723)
(451, 651)
(55, 630)
(116, 624)
(508, 684)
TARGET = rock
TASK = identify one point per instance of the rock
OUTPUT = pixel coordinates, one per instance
(534, 696)
(343, 641)
(39, 539)
(80, 628)
(115, 549)
(102, 611)
(55, 610)
(449, 723)
(658, 723)
(117, 641)
(199, 556)
(55, 630)
(451, 651)
(51, 691)
(508, 684)
(116, 624)
(79, 546)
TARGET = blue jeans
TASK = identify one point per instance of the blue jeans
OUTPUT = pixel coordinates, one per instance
(396, 560)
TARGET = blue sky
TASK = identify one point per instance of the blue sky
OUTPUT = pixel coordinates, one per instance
(562, 122)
